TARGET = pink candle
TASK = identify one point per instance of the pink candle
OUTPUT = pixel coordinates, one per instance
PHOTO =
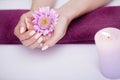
(108, 45)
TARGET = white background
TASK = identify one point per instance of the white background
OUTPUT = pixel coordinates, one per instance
(62, 62)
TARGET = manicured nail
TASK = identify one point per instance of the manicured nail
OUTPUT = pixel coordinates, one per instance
(22, 30)
(44, 48)
(37, 36)
(32, 33)
(40, 40)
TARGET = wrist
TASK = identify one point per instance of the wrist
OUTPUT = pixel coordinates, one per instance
(65, 14)
(42, 3)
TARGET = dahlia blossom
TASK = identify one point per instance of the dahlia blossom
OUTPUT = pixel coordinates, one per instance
(45, 20)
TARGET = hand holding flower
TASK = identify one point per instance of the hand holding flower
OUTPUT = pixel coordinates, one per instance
(46, 23)
(45, 20)
(59, 32)
(25, 32)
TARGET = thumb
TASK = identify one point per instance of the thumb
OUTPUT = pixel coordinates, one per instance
(22, 27)
(28, 22)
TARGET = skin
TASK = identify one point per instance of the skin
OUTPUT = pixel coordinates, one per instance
(40, 3)
(67, 12)
(25, 24)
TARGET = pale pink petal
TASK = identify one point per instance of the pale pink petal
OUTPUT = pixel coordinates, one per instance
(45, 12)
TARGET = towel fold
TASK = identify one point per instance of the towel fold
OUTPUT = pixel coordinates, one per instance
(80, 30)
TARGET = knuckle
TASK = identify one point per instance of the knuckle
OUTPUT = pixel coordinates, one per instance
(23, 16)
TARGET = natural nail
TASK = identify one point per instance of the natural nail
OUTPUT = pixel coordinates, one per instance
(44, 48)
(40, 40)
(22, 30)
(32, 33)
(37, 36)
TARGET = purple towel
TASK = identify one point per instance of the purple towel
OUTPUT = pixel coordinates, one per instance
(81, 30)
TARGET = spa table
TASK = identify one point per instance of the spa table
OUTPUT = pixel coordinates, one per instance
(62, 62)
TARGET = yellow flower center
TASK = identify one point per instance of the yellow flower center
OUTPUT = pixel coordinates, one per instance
(45, 22)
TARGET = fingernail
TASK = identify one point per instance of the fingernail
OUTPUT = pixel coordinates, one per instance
(40, 40)
(37, 36)
(32, 33)
(22, 30)
(44, 48)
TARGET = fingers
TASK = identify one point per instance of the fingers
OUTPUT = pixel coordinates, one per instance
(28, 22)
(37, 44)
(21, 27)
(16, 30)
(58, 33)
(32, 40)
(26, 35)
(24, 31)
(51, 42)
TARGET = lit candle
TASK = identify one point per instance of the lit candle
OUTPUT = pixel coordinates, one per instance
(108, 44)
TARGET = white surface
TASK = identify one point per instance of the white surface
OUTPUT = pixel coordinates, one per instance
(114, 3)
(26, 4)
(62, 62)
(16, 4)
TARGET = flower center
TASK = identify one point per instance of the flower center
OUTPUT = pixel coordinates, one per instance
(45, 22)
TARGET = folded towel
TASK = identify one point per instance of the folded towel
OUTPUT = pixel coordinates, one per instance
(81, 30)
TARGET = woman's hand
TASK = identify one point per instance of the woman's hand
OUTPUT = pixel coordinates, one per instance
(24, 29)
(25, 32)
(59, 32)
(68, 12)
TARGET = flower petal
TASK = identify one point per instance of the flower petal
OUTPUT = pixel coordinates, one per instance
(45, 12)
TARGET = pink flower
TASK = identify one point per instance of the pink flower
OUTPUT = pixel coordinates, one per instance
(45, 20)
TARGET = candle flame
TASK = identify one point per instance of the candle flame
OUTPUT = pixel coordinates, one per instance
(106, 34)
